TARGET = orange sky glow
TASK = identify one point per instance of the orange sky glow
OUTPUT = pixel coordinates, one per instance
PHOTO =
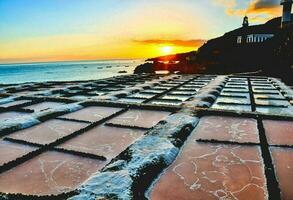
(91, 29)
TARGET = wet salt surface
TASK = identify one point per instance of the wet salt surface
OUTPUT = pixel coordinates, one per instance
(180, 92)
(131, 100)
(263, 87)
(231, 86)
(268, 96)
(176, 97)
(153, 91)
(279, 132)
(265, 92)
(140, 118)
(49, 173)
(259, 81)
(234, 97)
(81, 97)
(22, 93)
(283, 162)
(142, 95)
(233, 100)
(234, 90)
(48, 131)
(233, 107)
(188, 89)
(234, 94)
(44, 106)
(92, 113)
(237, 79)
(265, 102)
(240, 83)
(14, 103)
(233, 129)
(10, 151)
(275, 110)
(204, 171)
(103, 141)
(96, 93)
(166, 102)
(11, 115)
(170, 84)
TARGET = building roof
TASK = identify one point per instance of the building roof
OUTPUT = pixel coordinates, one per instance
(215, 136)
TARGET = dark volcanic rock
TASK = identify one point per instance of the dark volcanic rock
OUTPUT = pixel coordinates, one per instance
(144, 68)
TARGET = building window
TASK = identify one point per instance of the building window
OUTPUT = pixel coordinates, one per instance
(239, 39)
(258, 38)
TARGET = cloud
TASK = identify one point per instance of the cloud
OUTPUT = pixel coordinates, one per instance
(183, 43)
(257, 10)
(262, 10)
(264, 4)
(230, 7)
(269, 7)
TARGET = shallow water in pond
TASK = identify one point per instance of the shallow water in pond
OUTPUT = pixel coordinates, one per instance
(140, 118)
(48, 131)
(205, 171)
(10, 151)
(92, 113)
(233, 129)
(49, 173)
(103, 141)
(282, 159)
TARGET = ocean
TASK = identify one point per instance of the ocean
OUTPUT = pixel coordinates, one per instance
(65, 71)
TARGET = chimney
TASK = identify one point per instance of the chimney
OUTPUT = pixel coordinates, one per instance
(245, 22)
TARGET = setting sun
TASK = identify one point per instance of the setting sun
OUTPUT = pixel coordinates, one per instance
(167, 49)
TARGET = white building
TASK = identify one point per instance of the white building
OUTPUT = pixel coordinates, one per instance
(256, 38)
(253, 34)
(260, 33)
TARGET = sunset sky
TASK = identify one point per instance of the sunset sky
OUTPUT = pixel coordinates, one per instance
(54, 30)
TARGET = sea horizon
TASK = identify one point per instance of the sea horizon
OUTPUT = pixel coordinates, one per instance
(14, 73)
(69, 61)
